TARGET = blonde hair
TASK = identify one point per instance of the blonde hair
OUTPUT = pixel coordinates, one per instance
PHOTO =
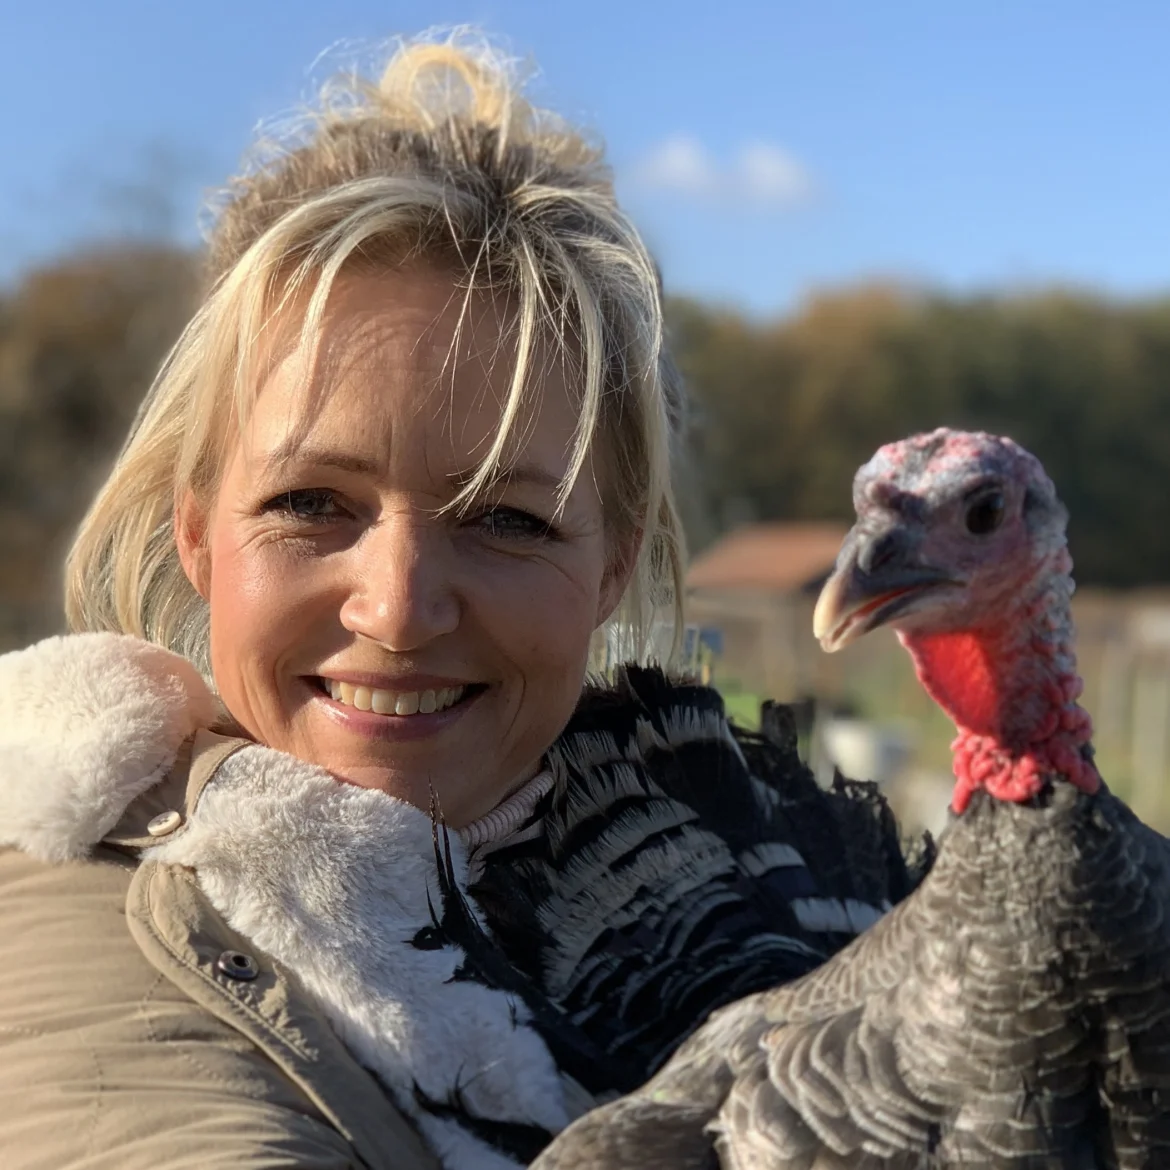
(442, 160)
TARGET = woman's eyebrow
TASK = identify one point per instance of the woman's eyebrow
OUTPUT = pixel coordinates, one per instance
(291, 451)
(316, 455)
(514, 473)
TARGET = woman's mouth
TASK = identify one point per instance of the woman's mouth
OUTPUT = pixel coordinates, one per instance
(403, 703)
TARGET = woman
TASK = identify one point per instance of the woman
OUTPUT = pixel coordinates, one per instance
(407, 462)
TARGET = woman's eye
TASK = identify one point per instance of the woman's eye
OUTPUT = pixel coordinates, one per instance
(305, 504)
(514, 524)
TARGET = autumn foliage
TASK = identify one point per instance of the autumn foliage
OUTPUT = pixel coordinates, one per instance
(785, 412)
(79, 343)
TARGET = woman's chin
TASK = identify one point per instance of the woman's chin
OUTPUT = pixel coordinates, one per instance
(428, 790)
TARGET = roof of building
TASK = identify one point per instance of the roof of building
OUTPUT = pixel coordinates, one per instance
(781, 557)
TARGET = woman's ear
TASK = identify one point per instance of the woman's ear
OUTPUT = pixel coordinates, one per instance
(190, 530)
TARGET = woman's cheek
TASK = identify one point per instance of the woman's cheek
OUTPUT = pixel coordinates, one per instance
(551, 606)
(265, 604)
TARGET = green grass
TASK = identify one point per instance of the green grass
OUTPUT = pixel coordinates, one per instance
(743, 708)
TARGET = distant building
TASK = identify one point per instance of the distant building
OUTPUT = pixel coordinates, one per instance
(758, 586)
(773, 558)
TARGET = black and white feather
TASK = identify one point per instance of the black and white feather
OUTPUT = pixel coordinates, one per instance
(682, 864)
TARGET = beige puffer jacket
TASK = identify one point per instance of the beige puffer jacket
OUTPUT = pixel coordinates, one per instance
(205, 945)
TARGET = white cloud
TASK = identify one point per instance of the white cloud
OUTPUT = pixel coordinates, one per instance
(772, 175)
(759, 173)
(679, 164)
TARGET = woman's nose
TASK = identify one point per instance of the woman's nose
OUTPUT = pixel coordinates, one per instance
(403, 594)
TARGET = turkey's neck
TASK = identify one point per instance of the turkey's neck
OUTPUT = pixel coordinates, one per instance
(1012, 689)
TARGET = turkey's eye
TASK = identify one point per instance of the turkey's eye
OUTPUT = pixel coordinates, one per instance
(985, 514)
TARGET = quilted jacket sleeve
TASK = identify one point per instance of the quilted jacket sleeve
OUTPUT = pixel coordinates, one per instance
(105, 1064)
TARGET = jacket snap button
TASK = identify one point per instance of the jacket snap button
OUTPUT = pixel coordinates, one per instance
(164, 823)
(237, 965)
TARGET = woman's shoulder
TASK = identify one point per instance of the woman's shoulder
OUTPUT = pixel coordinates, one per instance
(106, 1058)
(124, 980)
(89, 723)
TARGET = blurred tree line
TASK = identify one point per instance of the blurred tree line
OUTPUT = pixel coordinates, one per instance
(79, 343)
(783, 412)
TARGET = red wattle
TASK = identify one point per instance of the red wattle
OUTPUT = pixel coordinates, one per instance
(957, 670)
(1016, 726)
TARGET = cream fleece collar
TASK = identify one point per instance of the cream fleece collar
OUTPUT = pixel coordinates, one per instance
(334, 882)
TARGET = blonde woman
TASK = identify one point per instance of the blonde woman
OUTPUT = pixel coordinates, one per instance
(320, 851)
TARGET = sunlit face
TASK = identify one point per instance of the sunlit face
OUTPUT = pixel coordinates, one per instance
(354, 626)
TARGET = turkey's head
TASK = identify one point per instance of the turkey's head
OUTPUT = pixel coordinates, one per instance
(952, 529)
(960, 546)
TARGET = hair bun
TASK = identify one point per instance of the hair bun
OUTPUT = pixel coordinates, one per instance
(457, 80)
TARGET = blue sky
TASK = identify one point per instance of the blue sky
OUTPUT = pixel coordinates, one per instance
(766, 149)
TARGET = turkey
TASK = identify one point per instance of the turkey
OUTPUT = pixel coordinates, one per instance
(1014, 1010)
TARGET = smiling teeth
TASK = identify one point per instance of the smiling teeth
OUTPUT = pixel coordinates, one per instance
(393, 702)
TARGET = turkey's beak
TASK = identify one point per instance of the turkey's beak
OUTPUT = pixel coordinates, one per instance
(877, 578)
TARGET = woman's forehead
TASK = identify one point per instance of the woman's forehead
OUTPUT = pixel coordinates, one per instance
(406, 359)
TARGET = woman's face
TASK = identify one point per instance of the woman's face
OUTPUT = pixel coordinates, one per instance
(354, 627)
